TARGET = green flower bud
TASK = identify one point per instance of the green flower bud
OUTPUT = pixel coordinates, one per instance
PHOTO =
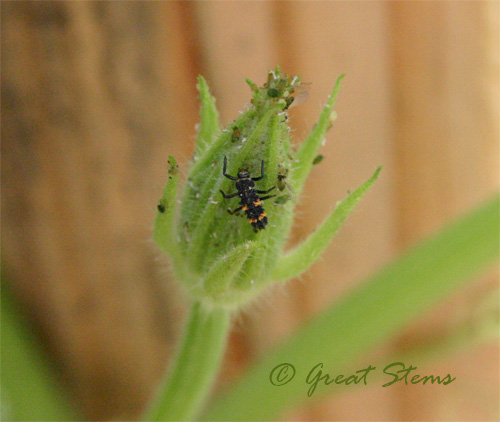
(224, 259)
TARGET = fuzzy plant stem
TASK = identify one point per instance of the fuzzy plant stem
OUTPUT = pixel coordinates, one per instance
(195, 367)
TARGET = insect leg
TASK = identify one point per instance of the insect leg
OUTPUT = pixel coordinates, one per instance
(224, 170)
(267, 197)
(255, 179)
(265, 191)
(232, 195)
(235, 211)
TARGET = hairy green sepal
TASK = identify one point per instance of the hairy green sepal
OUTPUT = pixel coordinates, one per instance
(298, 260)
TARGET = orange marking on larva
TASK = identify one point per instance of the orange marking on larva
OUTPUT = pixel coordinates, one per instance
(257, 203)
(252, 220)
(262, 216)
(245, 208)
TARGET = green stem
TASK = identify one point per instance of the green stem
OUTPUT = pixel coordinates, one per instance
(195, 367)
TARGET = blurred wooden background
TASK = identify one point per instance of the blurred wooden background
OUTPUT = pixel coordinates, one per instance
(95, 95)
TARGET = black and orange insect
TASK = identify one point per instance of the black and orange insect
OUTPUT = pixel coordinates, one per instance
(250, 202)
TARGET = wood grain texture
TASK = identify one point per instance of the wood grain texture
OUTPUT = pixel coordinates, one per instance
(445, 56)
(87, 124)
(95, 95)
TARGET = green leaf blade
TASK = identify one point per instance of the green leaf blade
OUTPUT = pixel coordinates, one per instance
(369, 315)
(29, 390)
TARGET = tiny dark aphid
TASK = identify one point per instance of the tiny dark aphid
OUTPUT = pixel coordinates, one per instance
(318, 159)
(236, 134)
(250, 202)
(282, 175)
(161, 208)
(273, 92)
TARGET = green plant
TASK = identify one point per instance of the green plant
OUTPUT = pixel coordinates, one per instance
(219, 278)
(220, 259)
(223, 263)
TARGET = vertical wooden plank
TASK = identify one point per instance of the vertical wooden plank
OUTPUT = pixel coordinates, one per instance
(320, 41)
(235, 41)
(89, 112)
(446, 104)
(359, 139)
(446, 97)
